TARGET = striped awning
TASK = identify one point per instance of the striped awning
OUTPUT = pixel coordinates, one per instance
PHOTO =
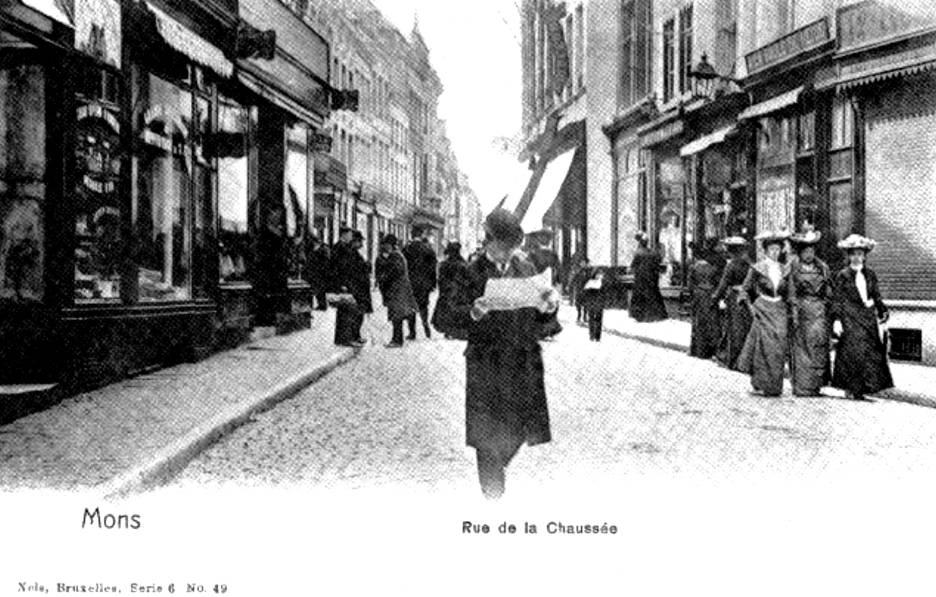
(51, 9)
(706, 141)
(772, 105)
(190, 44)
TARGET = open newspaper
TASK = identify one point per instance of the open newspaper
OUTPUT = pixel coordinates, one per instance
(505, 294)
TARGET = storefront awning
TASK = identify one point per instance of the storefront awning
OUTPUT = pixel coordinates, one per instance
(901, 69)
(772, 105)
(547, 190)
(191, 44)
(518, 184)
(706, 141)
(51, 9)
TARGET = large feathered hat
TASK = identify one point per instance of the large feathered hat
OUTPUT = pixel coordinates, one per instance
(856, 241)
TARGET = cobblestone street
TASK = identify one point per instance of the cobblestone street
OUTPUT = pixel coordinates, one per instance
(620, 409)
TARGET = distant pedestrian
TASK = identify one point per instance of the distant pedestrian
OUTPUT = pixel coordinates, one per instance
(593, 300)
(765, 289)
(360, 285)
(393, 281)
(342, 279)
(453, 280)
(318, 270)
(646, 302)
(736, 313)
(810, 289)
(422, 263)
(706, 324)
(581, 272)
(859, 316)
(505, 398)
(544, 258)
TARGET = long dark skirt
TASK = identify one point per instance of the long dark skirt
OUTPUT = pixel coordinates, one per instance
(809, 350)
(706, 328)
(861, 358)
(765, 350)
(646, 303)
(348, 321)
(736, 324)
(505, 400)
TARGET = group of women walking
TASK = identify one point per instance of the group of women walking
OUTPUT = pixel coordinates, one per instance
(761, 317)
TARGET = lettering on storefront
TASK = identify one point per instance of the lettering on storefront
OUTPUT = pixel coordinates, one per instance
(803, 39)
(870, 23)
(98, 132)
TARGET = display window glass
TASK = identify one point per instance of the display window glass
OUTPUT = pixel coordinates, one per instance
(236, 194)
(22, 172)
(99, 247)
(670, 198)
(162, 211)
(296, 199)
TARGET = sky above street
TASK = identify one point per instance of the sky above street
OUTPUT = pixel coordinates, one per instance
(475, 49)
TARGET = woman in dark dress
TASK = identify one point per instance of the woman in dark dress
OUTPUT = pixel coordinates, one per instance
(809, 289)
(646, 302)
(453, 278)
(505, 397)
(706, 329)
(765, 290)
(393, 281)
(736, 316)
(858, 312)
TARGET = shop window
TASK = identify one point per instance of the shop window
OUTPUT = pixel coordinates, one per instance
(164, 190)
(806, 133)
(841, 208)
(669, 216)
(22, 176)
(843, 124)
(297, 198)
(236, 194)
(98, 215)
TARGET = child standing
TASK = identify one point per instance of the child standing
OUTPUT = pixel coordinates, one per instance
(593, 300)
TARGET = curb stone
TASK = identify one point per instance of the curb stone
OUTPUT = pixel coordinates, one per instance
(169, 461)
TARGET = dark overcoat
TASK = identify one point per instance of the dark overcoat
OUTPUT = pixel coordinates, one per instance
(453, 279)
(422, 263)
(646, 303)
(350, 273)
(394, 284)
(505, 398)
(706, 320)
(736, 322)
(861, 356)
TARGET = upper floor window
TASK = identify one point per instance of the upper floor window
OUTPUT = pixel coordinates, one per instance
(685, 48)
(669, 58)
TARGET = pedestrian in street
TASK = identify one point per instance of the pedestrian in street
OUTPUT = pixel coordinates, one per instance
(544, 258)
(859, 316)
(453, 279)
(505, 397)
(736, 313)
(810, 289)
(422, 263)
(350, 276)
(646, 302)
(318, 270)
(581, 272)
(394, 284)
(593, 301)
(765, 289)
(706, 324)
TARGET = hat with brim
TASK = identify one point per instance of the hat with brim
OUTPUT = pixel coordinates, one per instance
(856, 242)
(642, 237)
(772, 237)
(502, 225)
(453, 248)
(734, 241)
(389, 239)
(805, 239)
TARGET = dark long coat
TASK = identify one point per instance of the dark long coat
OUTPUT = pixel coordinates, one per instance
(646, 302)
(505, 398)
(349, 273)
(453, 279)
(422, 263)
(736, 322)
(394, 284)
(706, 322)
(764, 354)
(861, 356)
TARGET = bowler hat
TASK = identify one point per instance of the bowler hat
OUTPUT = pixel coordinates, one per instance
(504, 226)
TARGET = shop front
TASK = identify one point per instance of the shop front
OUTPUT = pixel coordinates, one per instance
(331, 181)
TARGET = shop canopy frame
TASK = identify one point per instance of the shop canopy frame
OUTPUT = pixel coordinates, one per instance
(707, 141)
(547, 191)
(774, 104)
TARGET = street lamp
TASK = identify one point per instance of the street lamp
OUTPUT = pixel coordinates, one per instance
(704, 76)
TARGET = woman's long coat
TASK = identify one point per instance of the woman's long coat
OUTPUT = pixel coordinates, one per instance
(764, 354)
(706, 326)
(505, 398)
(646, 302)
(861, 356)
(453, 278)
(394, 283)
(736, 321)
(810, 288)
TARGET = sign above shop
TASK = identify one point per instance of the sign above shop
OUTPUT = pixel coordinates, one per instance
(803, 39)
(320, 142)
(870, 23)
(662, 133)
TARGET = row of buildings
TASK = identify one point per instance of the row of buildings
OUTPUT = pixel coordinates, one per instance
(691, 120)
(164, 164)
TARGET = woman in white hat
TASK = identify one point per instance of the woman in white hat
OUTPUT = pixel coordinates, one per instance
(810, 290)
(736, 322)
(765, 288)
(858, 312)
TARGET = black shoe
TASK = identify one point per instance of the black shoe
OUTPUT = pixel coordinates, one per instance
(394, 345)
(411, 337)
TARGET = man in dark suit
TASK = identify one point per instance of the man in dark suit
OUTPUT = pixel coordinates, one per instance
(317, 264)
(344, 279)
(422, 263)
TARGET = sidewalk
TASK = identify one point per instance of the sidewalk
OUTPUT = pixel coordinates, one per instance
(915, 384)
(132, 434)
